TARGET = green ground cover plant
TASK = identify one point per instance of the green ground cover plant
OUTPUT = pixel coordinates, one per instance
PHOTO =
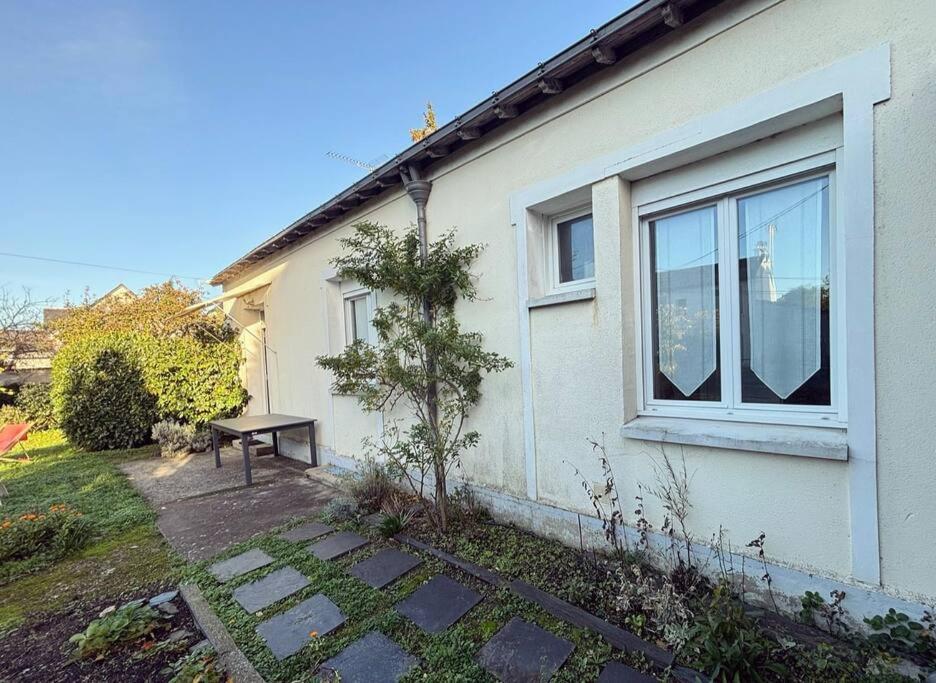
(123, 551)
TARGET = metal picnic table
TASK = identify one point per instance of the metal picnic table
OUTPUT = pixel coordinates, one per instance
(248, 426)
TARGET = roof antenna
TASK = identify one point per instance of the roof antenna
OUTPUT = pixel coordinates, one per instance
(371, 165)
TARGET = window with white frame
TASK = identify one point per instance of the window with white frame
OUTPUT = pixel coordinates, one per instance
(357, 317)
(739, 299)
(571, 246)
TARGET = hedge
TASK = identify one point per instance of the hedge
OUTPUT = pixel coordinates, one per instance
(109, 390)
(36, 401)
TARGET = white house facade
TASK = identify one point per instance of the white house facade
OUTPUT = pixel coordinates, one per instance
(709, 229)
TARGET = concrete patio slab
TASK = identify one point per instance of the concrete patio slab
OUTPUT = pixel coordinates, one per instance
(239, 564)
(438, 604)
(335, 546)
(198, 528)
(522, 652)
(372, 659)
(163, 480)
(384, 567)
(287, 633)
(272, 588)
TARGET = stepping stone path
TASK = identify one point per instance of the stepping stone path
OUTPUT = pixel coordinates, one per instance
(384, 567)
(372, 659)
(522, 652)
(615, 672)
(287, 633)
(239, 565)
(306, 532)
(271, 588)
(337, 545)
(438, 604)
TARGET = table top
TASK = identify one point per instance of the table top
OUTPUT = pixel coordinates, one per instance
(260, 423)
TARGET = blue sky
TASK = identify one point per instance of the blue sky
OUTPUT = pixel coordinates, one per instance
(173, 136)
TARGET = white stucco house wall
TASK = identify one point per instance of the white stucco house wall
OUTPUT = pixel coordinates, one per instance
(708, 224)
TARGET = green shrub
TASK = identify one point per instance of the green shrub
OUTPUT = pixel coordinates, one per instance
(11, 414)
(194, 381)
(125, 625)
(36, 401)
(177, 439)
(55, 533)
(100, 393)
(109, 390)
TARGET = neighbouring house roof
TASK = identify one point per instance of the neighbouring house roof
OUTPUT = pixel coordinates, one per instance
(638, 27)
(121, 291)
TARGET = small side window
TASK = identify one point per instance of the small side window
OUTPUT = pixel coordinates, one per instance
(573, 250)
(357, 320)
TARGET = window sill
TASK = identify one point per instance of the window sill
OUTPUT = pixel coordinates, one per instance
(811, 442)
(586, 294)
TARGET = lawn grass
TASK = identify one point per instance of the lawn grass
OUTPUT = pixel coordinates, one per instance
(449, 656)
(125, 553)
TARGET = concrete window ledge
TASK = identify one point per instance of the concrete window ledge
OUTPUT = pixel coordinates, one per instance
(811, 442)
(562, 298)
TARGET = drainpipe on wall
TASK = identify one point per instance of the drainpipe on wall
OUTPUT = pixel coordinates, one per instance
(418, 189)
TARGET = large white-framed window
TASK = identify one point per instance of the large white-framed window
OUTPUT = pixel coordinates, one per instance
(358, 312)
(570, 247)
(741, 299)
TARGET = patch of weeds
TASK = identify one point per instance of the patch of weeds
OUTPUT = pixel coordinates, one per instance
(897, 632)
(198, 666)
(371, 486)
(727, 645)
(125, 625)
(340, 510)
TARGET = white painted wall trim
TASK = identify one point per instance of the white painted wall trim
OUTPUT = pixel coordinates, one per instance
(853, 86)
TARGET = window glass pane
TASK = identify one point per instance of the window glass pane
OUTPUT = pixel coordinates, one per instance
(576, 249)
(358, 311)
(684, 304)
(783, 241)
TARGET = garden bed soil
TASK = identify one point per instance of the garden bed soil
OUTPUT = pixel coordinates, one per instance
(39, 651)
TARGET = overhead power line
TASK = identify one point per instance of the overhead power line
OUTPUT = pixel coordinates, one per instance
(99, 265)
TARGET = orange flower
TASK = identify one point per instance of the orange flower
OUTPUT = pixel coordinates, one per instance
(147, 645)
(313, 634)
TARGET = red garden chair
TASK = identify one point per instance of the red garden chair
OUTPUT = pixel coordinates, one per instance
(11, 436)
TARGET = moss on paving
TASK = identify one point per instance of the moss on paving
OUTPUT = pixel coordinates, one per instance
(126, 553)
(449, 656)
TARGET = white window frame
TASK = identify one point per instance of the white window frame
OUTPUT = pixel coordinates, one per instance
(552, 251)
(724, 197)
(350, 296)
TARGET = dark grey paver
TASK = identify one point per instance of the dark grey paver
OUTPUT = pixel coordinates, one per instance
(337, 545)
(287, 633)
(522, 652)
(372, 659)
(239, 564)
(271, 588)
(306, 532)
(438, 604)
(384, 567)
(374, 519)
(615, 672)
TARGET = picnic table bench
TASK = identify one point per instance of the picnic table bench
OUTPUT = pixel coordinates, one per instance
(248, 426)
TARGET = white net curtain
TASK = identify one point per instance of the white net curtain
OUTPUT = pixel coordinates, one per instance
(781, 235)
(685, 278)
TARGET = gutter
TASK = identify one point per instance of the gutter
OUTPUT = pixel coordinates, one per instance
(603, 47)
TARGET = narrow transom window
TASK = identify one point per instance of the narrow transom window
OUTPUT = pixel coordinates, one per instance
(738, 300)
(573, 250)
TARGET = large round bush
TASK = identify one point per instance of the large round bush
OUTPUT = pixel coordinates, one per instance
(100, 395)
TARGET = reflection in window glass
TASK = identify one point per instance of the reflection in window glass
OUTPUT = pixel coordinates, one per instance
(783, 242)
(576, 249)
(684, 305)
